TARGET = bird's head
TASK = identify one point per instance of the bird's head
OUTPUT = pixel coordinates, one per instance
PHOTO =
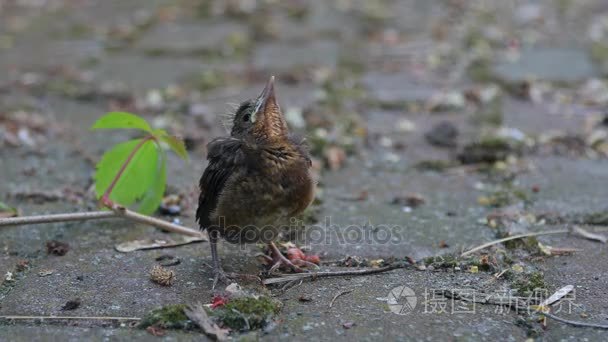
(260, 119)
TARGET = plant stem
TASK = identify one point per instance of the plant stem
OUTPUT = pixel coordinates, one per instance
(117, 211)
(129, 214)
(333, 300)
(514, 237)
(105, 198)
(109, 318)
(575, 323)
(90, 215)
(315, 275)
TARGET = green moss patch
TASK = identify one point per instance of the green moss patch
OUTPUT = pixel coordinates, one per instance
(527, 284)
(168, 317)
(505, 197)
(488, 150)
(434, 165)
(599, 218)
(247, 313)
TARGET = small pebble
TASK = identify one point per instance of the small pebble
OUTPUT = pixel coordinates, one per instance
(168, 260)
(71, 305)
(45, 272)
(57, 248)
(443, 134)
(348, 325)
(304, 298)
(170, 210)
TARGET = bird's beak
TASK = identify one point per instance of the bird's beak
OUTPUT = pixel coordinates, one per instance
(267, 114)
(265, 101)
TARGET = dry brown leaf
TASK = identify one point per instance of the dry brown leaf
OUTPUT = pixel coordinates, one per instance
(199, 316)
(45, 272)
(578, 231)
(563, 250)
(335, 157)
(559, 294)
(550, 250)
(156, 331)
(135, 245)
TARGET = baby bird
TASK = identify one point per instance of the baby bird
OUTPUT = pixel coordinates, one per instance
(257, 179)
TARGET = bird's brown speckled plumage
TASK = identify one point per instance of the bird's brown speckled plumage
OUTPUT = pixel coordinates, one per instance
(257, 178)
(253, 185)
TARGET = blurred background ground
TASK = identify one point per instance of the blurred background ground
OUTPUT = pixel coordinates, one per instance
(453, 122)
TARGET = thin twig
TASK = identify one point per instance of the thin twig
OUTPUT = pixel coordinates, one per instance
(315, 275)
(338, 295)
(90, 215)
(574, 323)
(122, 211)
(291, 285)
(514, 237)
(103, 318)
(578, 231)
(513, 302)
(498, 275)
(117, 212)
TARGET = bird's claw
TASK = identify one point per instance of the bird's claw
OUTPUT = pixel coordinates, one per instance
(221, 276)
(228, 278)
(282, 262)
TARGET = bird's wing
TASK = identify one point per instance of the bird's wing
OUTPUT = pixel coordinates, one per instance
(224, 155)
(302, 145)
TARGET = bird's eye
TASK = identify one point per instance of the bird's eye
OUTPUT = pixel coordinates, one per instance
(246, 117)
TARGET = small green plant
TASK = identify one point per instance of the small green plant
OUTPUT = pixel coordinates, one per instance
(134, 171)
(6, 211)
(168, 317)
(247, 313)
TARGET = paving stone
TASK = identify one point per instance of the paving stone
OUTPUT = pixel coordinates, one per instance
(547, 64)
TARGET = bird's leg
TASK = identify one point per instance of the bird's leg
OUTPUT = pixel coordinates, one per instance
(218, 272)
(280, 260)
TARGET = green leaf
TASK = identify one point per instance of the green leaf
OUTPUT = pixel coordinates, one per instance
(6, 211)
(154, 195)
(122, 120)
(177, 145)
(138, 176)
(4, 206)
(110, 163)
(159, 133)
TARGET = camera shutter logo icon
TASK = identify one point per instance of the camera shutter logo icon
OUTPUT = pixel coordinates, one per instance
(402, 300)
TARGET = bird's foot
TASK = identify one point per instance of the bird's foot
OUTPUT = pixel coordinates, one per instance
(279, 261)
(221, 276)
(228, 278)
